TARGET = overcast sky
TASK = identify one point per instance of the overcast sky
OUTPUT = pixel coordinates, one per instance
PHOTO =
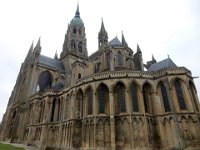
(160, 27)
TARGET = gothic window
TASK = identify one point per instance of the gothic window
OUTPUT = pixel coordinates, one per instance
(180, 96)
(134, 96)
(146, 95)
(79, 76)
(79, 102)
(79, 31)
(45, 81)
(80, 47)
(108, 60)
(97, 66)
(164, 97)
(53, 110)
(102, 97)
(121, 97)
(120, 59)
(74, 30)
(90, 100)
(73, 44)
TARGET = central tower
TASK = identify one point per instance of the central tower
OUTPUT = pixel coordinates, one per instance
(75, 38)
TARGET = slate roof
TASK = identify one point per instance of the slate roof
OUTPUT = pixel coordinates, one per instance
(115, 41)
(50, 62)
(162, 64)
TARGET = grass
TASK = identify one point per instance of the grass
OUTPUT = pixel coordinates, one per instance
(9, 147)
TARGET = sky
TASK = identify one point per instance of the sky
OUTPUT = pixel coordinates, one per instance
(160, 27)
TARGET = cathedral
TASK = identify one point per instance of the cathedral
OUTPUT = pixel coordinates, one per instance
(110, 100)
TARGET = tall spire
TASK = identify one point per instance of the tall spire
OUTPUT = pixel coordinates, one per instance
(123, 40)
(37, 48)
(138, 49)
(30, 51)
(38, 43)
(77, 14)
(102, 30)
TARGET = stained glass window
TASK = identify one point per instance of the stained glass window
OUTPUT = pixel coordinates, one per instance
(134, 97)
(180, 96)
(165, 97)
(120, 61)
(45, 81)
(102, 96)
(121, 97)
(90, 100)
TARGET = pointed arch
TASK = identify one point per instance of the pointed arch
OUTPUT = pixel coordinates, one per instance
(80, 47)
(79, 103)
(120, 105)
(180, 94)
(134, 96)
(89, 95)
(103, 98)
(45, 81)
(164, 96)
(73, 44)
(119, 58)
(147, 89)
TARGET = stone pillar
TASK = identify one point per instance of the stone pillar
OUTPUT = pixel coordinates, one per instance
(177, 130)
(112, 119)
(47, 115)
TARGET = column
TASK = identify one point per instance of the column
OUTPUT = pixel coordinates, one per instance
(177, 133)
(112, 118)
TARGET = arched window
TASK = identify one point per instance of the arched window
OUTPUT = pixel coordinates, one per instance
(45, 81)
(90, 100)
(120, 91)
(180, 96)
(74, 30)
(79, 102)
(53, 110)
(102, 97)
(79, 31)
(134, 96)
(79, 76)
(80, 47)
(146, 96)
(164, 97)
(120, 59)
(73, 44)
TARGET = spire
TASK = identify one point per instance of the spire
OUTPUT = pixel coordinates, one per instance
(77, 14)
(38, 43)
(138, 49)
(30, 51)
(56, 55)
(153, 59)
(102, 30)
(123, 40)
(37, 48)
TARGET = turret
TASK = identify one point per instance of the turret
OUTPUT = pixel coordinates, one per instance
(103, 36)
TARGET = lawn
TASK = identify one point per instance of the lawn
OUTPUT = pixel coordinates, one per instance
(9, 147)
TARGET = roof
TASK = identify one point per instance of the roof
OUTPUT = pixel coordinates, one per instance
(53, 63)
(115, 41)
(162, 64)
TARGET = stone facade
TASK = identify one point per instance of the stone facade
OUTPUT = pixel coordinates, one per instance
(103, 101)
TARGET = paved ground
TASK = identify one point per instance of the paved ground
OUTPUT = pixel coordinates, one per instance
(21, 145)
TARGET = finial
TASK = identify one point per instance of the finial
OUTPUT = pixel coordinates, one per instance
(56, 55)
(138, 49)
(123, 40)
(102, 26)
(38, 43)
(168, 55)
(77, 14)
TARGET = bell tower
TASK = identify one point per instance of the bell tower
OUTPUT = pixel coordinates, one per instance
(75, 38)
